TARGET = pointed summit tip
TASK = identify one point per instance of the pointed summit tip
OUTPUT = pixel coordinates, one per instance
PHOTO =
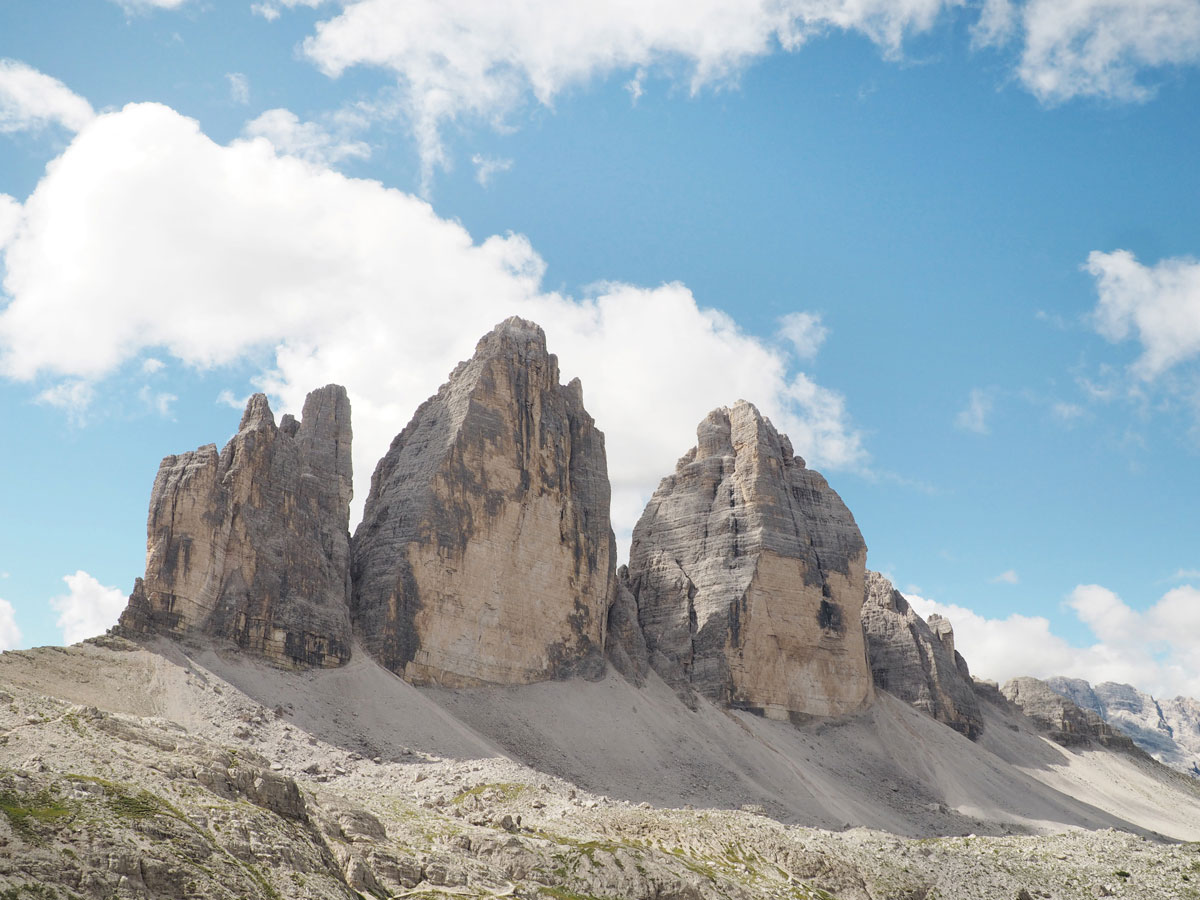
(513, 330)
(257, 410)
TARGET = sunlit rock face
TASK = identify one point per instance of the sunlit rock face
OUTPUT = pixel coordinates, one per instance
(252, 544)
(916, 660)
(748, 572)
(485, 554)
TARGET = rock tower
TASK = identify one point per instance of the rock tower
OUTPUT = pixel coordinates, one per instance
(252, 544)
(748, 572)
(485, 554)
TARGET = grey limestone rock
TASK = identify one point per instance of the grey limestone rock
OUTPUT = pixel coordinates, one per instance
(1169, 730)
(1065, 723)
(748, 573)
(252, 544)
(625, 643)
(916, 660)
(485, 554)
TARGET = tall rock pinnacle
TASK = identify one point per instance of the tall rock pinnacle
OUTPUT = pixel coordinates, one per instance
(485, 553)
(916, 660)
(748, 573)
(252, 544)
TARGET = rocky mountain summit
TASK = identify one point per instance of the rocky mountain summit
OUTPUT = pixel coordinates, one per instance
(485, 553)
(748, 572)
(252, 544)
(916, 660)
(1169, 730)
(488, 708)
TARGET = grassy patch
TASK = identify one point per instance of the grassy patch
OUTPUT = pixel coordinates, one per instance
(29, 892)
(507, 791)
(24, 811)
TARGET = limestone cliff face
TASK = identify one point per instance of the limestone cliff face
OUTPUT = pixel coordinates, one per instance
(1169, 730)
(1064, 722)
(252, 544)
(748, 571)
(485, 554)
(916, 660)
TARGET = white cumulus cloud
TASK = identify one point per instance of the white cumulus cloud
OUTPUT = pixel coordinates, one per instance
(87, 609)
(1156, 649)
(10, 634)
(31, 100)
(343, 280)
(1101, 48)
(1158, 305)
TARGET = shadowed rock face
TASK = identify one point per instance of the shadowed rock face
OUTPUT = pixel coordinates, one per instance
(915, 660)
(252, 544)
(485, 553)
(748, 571)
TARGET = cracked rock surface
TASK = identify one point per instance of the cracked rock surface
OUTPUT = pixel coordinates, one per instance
(915, 662)
(252, 544)
(748, 571)
(485, 554)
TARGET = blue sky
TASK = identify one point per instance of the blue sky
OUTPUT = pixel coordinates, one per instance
(949, 247)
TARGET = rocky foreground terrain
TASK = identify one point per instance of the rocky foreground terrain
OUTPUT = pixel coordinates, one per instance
(210, 793)
(468, 698)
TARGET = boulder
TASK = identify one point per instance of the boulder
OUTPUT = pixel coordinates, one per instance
(485, 553)
(915, 660)
(252, 544)
(748, 573)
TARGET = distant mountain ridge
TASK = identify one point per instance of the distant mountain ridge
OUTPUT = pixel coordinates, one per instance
(1169, 730)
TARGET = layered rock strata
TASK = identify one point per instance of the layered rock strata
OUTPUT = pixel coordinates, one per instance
(915, 660)
(252, 544)
(1169, 730)
(1064, 722)
(748, 571)
(485, 554)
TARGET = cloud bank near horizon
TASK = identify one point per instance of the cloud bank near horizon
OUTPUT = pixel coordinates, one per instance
(1153, 649)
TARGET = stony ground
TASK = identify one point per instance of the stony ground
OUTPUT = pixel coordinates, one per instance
(241, 802)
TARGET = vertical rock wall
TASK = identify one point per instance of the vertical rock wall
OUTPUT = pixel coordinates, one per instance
(916, 660)
(485, 554)
(252, 544)
(748, 571)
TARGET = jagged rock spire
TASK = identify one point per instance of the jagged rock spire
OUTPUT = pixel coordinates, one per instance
(252, 544)
(485, 553)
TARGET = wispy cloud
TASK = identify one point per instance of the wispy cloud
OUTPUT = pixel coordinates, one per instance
(239, 87)
(486, 167)
(1007, 577)
(804, 331)
(974, 417)
(31, 100)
